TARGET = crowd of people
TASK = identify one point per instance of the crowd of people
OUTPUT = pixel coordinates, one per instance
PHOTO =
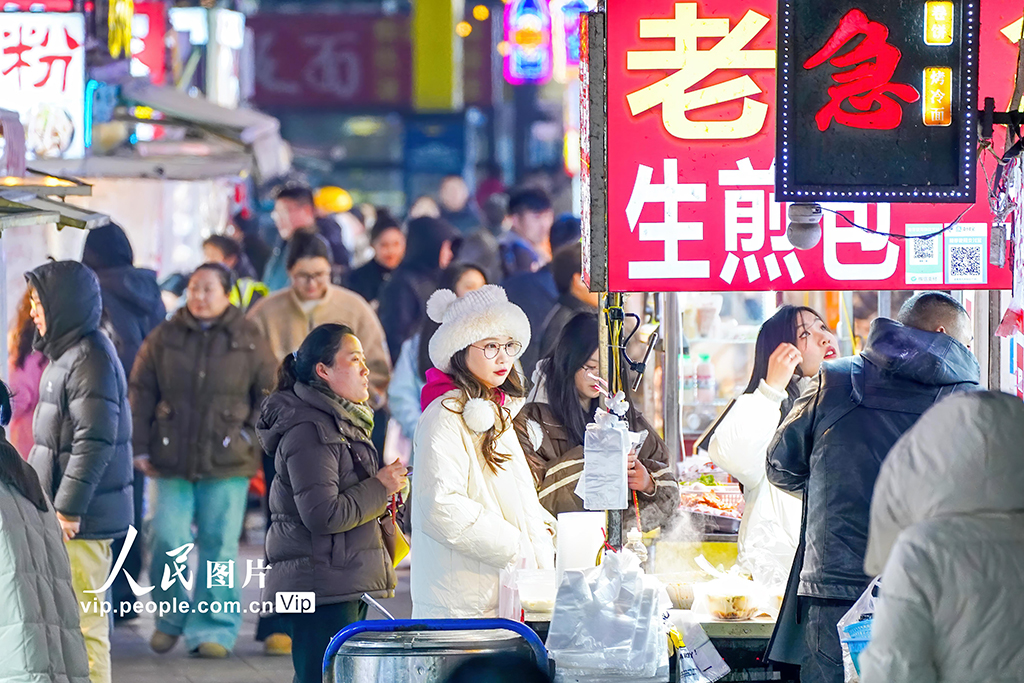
(274, 370)
(279, 368)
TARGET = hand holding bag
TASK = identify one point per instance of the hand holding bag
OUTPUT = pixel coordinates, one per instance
(395, 541)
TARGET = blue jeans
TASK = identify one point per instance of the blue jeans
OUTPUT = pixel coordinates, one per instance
(217, 506)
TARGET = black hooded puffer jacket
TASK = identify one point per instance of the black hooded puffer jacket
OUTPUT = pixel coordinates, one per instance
(82, 426)
(131, 296)
(324, 502)
(834, 441)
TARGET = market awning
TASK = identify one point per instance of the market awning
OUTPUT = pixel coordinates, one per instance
(24, 201)
(260, 133)
(17, 216)
(154, 167)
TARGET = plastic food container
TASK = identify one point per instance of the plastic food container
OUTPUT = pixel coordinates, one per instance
(537, 591)
(730, 599)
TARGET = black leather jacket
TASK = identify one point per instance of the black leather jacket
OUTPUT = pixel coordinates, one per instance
(835, 439)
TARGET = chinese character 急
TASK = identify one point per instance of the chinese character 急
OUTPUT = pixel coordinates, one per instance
(670, 230)
(692, 65)
(180, 556)
(137, 590)
(220, 574)
(865, 88)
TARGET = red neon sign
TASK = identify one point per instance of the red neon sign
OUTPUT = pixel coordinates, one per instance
(867, 85)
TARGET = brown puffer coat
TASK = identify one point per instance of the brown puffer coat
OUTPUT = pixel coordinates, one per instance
(557, 463)
(196, 395)
(324, 502)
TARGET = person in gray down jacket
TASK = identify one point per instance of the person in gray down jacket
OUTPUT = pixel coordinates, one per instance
(328, 494)
(82, 431)
(947, 528)
(831, 447)
(40, 640)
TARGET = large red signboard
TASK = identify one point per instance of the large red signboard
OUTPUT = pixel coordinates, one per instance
(332, 60)
(691, 155)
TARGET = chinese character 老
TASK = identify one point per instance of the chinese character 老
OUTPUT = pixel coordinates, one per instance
(692, 65)
(866, 87)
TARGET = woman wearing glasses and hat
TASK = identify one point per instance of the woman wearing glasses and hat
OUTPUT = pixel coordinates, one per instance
(476, 506)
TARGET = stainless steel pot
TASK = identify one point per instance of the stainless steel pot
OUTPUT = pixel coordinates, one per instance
(422, 651)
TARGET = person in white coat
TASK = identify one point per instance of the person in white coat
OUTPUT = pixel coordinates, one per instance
(476, 509)
(947, 535)
(791, 346)
(40, 638)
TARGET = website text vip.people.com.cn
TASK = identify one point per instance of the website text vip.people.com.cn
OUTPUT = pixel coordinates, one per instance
(284, 603)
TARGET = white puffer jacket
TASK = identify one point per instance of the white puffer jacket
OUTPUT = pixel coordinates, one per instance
(770, 529)
(947, 525)
(468, 523)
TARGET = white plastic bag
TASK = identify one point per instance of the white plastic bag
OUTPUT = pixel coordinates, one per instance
(608, 625)
(699, 661)
(859, 618)
(509, 606)
(604, 483)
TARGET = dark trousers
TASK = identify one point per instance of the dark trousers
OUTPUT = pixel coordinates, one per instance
(268, 626)
(121, 591)
(312, 633)
(820, 617)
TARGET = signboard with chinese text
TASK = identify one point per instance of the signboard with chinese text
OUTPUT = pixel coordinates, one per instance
(149, 55)
(332, 60)
(877, 100)
(42, 77)
(691, 159)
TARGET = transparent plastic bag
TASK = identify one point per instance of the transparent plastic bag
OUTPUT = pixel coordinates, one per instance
(606, 446)
(855, 630)
(607, 624)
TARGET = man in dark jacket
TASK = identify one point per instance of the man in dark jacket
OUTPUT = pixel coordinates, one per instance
(573, 296)
(294, 210)
(832, 446)
(82, 431)
(132, 303)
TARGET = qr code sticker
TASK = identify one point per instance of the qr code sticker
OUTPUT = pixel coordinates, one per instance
(965, 264)
(924, 250)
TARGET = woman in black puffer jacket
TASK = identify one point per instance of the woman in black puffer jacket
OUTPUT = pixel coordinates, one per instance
(328, 493)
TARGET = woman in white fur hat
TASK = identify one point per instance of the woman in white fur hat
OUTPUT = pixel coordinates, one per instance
(476, 506)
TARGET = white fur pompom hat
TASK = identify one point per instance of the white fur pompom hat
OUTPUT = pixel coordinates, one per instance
(481, 314)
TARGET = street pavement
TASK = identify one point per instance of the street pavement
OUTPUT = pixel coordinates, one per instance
(134, 662)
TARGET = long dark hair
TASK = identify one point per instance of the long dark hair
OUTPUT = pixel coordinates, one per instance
(470, 387)
(320, 346)
(575, 346)
(778, 329)
(23, 331)
(14, 471)
(449, 279)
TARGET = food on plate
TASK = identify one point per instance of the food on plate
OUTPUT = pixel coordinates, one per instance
(729, 606)
(50, 131)
(710, 503)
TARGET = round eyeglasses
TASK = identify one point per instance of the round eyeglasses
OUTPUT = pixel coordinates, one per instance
(490, 350)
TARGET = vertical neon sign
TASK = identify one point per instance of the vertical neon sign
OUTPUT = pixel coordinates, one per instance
(528, 35)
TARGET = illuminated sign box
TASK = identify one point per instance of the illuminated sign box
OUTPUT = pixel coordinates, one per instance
(877, 101)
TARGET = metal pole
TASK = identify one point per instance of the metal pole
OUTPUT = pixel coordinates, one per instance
(672, 329)
(615, 381)
(885, 304)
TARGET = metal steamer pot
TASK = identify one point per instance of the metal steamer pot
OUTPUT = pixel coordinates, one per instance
(422, 651)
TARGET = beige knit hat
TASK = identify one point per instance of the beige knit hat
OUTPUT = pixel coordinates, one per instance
(481, 314)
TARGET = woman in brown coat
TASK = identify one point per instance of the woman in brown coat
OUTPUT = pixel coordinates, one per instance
(195, 393)
(552, 426)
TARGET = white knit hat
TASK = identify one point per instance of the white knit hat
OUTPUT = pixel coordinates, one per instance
(481, 314)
